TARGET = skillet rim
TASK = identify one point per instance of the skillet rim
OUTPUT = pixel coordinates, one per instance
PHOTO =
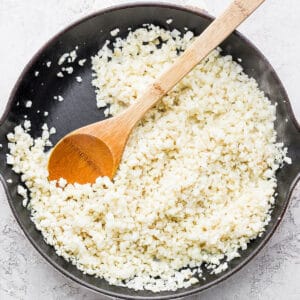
(200, 12)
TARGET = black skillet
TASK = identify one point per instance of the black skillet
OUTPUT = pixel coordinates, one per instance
(79, 108)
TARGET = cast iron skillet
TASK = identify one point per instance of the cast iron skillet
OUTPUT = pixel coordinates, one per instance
(79, 108)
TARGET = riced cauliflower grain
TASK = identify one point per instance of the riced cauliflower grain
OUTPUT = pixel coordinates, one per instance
(196, 182)
(27, 125)
(60, 74)
(114, 32)
(28, 104)
(63, 58)
(60, 98)
(79, 79)
(68, 70)
(73, 55)
(81, 62)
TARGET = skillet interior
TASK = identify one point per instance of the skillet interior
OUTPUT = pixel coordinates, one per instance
(79, 108)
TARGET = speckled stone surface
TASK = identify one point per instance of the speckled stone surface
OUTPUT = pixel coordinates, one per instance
(24, 274)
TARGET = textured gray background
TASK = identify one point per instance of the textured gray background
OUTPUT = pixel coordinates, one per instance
(24, 27)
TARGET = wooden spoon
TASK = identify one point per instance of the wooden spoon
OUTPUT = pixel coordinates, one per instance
(96, 150)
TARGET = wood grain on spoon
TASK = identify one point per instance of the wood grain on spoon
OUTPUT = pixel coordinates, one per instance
(96, 150)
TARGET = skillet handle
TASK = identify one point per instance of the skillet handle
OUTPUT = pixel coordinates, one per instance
(294, 150)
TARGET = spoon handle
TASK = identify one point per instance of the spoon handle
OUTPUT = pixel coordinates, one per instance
(211, 37)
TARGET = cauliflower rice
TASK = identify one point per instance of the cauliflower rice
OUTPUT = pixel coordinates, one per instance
(196, 181)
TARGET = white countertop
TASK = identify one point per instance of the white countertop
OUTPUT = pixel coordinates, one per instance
(24, 27)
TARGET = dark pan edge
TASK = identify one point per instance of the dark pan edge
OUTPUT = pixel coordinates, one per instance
(199, 12)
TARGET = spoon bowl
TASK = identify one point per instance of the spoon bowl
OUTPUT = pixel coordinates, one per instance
(81, 158)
